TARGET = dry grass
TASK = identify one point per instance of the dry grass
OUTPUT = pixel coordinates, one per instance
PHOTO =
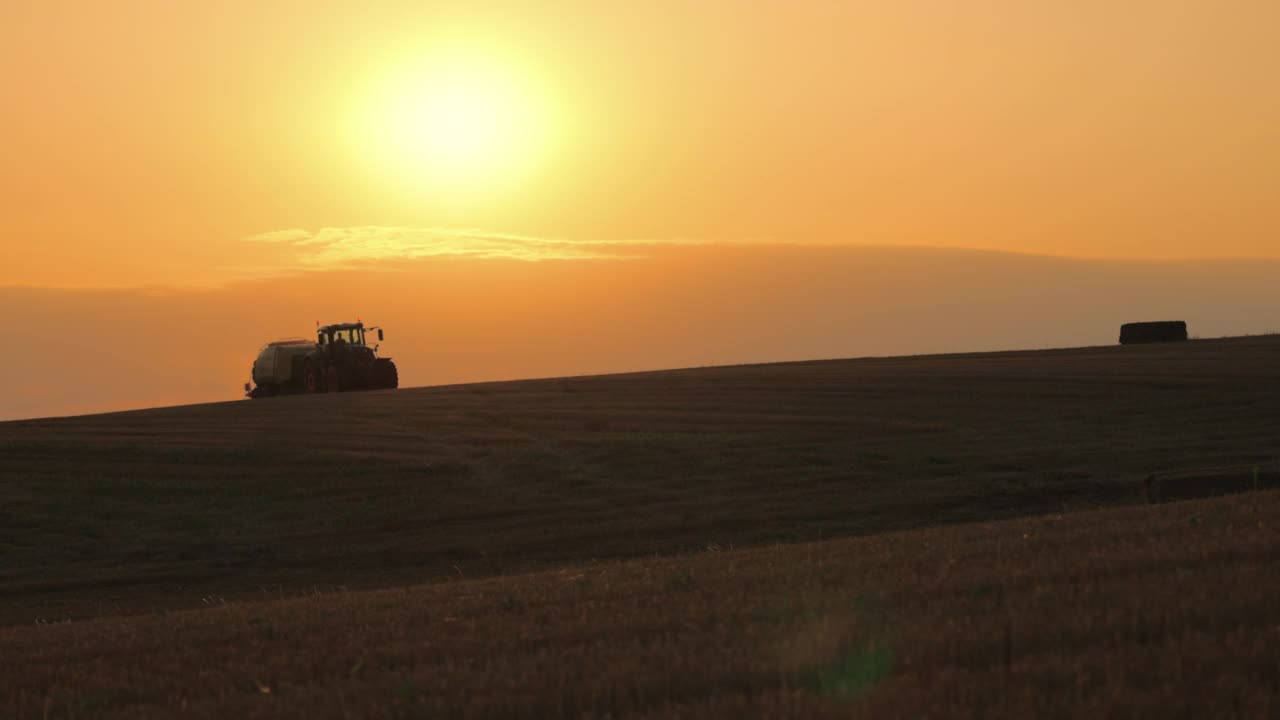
(1164, 611)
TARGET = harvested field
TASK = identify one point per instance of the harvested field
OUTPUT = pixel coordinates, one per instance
(216, 558)
(1150, 611)
(161, 509)
(1210, 482)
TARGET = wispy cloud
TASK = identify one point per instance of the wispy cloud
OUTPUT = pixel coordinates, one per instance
(328, 247)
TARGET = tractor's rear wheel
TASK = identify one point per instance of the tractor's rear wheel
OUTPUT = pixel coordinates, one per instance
(331, 379)
(310, 377)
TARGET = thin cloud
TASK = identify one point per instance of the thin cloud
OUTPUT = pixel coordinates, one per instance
(332, 246)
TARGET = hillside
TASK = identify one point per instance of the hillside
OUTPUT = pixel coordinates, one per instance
(158, 509)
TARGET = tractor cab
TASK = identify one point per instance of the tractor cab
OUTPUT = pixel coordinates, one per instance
(351, 334)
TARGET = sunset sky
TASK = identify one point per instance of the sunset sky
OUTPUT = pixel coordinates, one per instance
(563, 187)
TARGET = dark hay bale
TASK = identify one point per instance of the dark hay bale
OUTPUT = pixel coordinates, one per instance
(1211, 482)
(1153, 332)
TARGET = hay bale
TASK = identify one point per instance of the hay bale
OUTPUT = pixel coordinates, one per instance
(1153, 332)
(1210, 482)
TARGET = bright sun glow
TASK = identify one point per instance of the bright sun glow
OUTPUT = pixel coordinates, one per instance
(453, 121)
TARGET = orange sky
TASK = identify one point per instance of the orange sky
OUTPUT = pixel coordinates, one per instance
(142, 141)
(264, 147)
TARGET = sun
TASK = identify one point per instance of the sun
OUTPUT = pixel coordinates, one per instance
(455, 121)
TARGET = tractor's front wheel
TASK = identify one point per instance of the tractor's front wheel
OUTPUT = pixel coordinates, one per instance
(385, 375)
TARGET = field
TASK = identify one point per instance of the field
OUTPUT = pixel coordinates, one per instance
(948, 535)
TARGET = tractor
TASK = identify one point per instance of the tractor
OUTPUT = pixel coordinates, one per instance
(338, 360)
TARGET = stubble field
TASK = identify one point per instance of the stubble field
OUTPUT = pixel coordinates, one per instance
(218, 559)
